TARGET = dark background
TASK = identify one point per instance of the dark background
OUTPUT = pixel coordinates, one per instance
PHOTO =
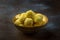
(9, 8)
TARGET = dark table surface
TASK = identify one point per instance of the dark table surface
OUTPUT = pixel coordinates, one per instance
(9, 8)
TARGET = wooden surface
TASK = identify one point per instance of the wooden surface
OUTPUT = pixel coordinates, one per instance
(8, 9)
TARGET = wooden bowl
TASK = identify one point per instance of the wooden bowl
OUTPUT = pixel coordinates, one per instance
(29, 30)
